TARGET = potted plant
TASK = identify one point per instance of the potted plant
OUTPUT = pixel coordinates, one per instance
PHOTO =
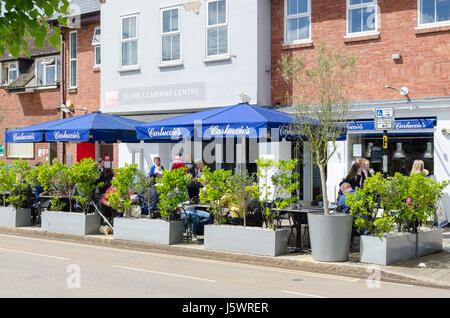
(387, 212)
(172, 189)
(13, 185)
(321, 107)
(262, 241)
(59, 181)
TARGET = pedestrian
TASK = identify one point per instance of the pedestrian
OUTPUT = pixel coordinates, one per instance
(365, 171)
(157, 168)
(353, 177)
(177, 163)
(417, 167)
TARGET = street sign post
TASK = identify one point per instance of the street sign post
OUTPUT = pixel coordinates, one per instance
(384, 120)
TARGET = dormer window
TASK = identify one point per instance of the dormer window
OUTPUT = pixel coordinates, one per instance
(10, 72)
(48, 71)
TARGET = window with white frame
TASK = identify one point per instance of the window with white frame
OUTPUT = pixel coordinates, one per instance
(73, 59)
(19, 150)
(48, 71)
(217, 28)
(13, 71)
(434, 12)
(297, 20)
(96, 44)
(129, 41)
(361, 16)
(170, 35)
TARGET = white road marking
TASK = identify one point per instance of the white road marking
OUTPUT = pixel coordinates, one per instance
(383, 282)
(301, 294)
(167, 274)
(248, 266)
(35, 254)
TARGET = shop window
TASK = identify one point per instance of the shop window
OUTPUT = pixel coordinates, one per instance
(19, 150)
(434, 12)
(217, 28)
(402, 151)
(297, 20)
(361, 17)
(170, 35)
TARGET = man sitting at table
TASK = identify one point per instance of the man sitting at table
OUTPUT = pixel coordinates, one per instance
(342, 206)
(198, 218)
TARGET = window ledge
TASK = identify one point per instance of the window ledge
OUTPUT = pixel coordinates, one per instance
(73, 89)
(129, 68)
(432, 29)
(298, 45)
(217, 58)
(170, 64)
(46, 87)
(96, 68)
(361, 37)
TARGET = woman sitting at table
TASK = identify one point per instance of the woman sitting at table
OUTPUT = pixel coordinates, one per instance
(106, 203)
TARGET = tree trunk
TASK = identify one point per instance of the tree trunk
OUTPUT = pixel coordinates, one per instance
(324, 189)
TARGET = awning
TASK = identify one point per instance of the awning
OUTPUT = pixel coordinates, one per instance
(403, 124)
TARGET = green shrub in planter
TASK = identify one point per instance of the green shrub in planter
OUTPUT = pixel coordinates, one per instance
(14, 182)
(84, 175)
(277, 180)
(144, 186)
(122, 182)
(5, 180)
(216, 191)
(374, 198)
(55, 178)
(240, 196)
(172, 188)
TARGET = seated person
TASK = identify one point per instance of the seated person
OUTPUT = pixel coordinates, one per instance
(342, 206)
(235, 213)
(197, 217)
(194, 186)
(106, 203)
(150, 206)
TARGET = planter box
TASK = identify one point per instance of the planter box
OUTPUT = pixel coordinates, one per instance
(70, 222)
(148, 230)
(330, 236)
(387, 250)
(12, 217)
(429, 241)
(248, 240)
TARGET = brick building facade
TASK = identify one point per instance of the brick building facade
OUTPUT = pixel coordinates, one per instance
(402, 43)
(28, 100)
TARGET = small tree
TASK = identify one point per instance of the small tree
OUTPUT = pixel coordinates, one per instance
(172, 189)
(54, 179)
(216, 190)
(120, 199)
(84, 175)
(276, 183)
(320, 102)
(145, 186)
(5, 180)
(239, 182)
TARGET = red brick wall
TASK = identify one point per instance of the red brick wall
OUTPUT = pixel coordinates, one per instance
(20, 110)
(425, 64)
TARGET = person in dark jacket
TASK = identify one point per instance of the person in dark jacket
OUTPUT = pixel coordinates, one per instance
(353, 177)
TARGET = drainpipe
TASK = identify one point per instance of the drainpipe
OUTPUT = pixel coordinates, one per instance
(63, 92)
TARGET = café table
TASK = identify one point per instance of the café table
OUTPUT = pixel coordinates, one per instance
(300, 217)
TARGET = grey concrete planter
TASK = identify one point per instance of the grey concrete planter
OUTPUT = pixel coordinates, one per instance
(248, 240)
(70, 222)
(330, 236)
(12, 217)
(148, 230)
(428, 241)
(392, 248)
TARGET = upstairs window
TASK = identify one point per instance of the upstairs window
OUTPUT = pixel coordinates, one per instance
(297, 20)
(48, 71)
(9, 72)
(217, 28)
(361, 16)
(129, 40)
(170, 35)
(96, 44)
(73, 59)
(434, 12)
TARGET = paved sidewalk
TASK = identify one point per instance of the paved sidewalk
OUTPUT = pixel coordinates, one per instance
(431, 270)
